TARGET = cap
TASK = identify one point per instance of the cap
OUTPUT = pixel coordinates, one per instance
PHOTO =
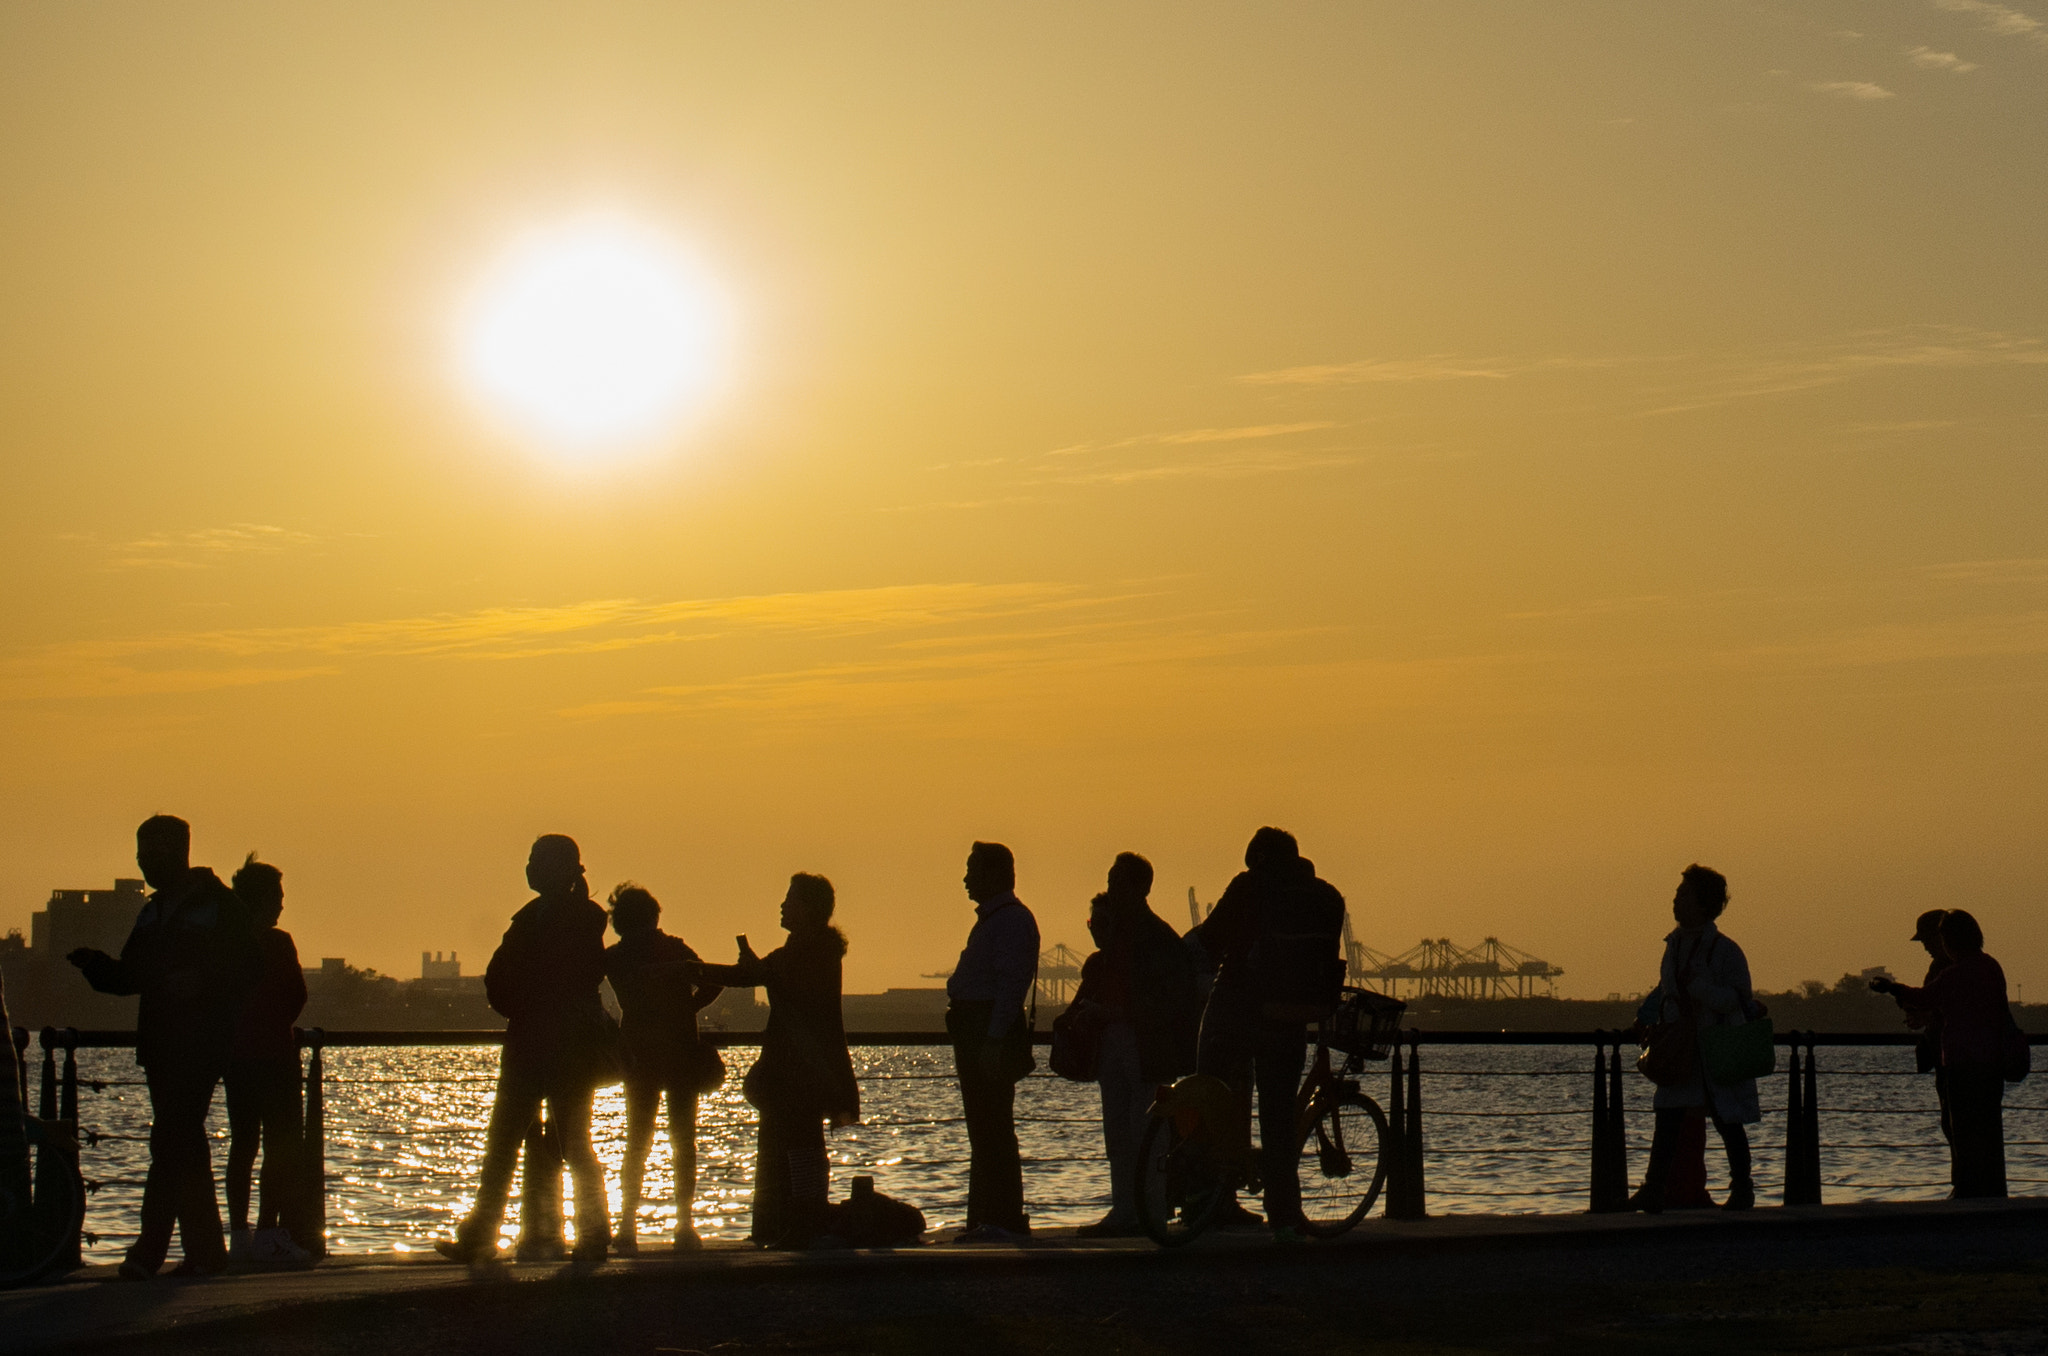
(1928, 925)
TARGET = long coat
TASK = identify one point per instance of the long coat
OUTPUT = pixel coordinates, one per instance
(1721, 996)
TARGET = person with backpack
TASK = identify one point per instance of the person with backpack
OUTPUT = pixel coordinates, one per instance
(652, 975)
(560, 1044)
(192, 956)
(1148, 1012)
(1275, 937)
(262, 1087)
(1981, 1050)
(1703, 982)
(803, 1078)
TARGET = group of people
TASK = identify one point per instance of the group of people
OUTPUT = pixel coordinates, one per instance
(220, 986)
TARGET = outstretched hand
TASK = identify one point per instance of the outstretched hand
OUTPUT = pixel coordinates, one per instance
(1883, 984)
(746, 948)
(85, 957)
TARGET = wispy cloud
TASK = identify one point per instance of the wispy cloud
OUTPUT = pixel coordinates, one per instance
(1861, 90)
(1719, 382)
(2001, 19)
(1928, 59)
(204, 548)
(1435, 367)
(198, 660)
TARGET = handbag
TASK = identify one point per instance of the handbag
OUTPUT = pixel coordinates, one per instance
(707, 1068)
(1077, 1042)
(1671, 1050)
(1736, 1054)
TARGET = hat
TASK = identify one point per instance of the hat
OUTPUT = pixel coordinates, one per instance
(1928, 926)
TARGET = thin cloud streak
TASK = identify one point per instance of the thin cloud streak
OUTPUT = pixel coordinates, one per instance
(2000, 19)
(1861, 90)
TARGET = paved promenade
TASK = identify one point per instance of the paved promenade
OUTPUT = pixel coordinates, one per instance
(359, 1303)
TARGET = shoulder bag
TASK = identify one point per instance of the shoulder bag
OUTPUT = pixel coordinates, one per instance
(1671, 1050)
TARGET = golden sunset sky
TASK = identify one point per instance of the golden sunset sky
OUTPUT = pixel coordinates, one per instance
(1522, 448)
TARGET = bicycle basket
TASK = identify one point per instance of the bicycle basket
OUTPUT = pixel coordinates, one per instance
(1365, 1023)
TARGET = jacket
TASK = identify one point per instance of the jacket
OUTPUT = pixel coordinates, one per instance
(804, 1068)
(1969, 997)
(263, 1032)
(1276, 936)
(1143, 974)
(651, 973)
(543, 979)
(192, 957)
(1717, 982)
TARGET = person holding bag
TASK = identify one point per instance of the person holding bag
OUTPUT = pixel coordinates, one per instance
(652, 975)
(1703, 988)
(804, 1076)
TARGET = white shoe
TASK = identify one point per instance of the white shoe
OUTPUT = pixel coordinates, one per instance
(275, 1246)
(239, 1245)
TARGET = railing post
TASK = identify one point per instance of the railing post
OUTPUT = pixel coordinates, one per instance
(1597, 1201)
(67, 1097)
(1411, 1139)
(314, 1144)
(1617, 1130)
(21, 1061)
(47, 1108)
(1810, 1173)
(1397, 1143)
(1609, 1186)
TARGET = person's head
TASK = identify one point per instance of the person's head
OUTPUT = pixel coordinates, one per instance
(555, 866)
(1271, 848)
(1927, 931)
(260, 887)
(1130, 876)
(1960, 935)
(1702, 895)
(809, 903)
(163, 850)
(634, 909)
(991, 872)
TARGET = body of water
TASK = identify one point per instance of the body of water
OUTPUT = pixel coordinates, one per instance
(1506, 1129)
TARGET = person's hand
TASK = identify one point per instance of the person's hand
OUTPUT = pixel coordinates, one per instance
(1883, 984)
(746, 948)
(85, 957)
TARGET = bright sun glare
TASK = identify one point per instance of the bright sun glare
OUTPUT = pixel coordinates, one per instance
(593, 337)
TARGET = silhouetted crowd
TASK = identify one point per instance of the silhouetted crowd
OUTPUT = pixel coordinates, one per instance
(1233, 999)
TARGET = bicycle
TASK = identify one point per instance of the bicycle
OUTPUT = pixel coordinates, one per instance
(1197, 1148)
(39, 1232)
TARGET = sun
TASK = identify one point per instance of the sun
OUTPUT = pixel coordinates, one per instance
(593, 338)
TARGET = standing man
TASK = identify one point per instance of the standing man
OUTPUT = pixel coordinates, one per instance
(992, 1042)
(559, 1043)
(1275, 934)
(192, 956)
(1927, 1054)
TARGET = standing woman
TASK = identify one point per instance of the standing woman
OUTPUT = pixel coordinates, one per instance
(804, 1076)
(1968, 996)
(1704, 982)
(651, 973)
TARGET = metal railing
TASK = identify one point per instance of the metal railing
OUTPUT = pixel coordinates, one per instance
(1407, 1193)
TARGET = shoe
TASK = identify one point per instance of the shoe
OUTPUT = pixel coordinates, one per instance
(274, 1247)
(201, 1266)
(1110, 1226)
(462, 1250)
(1288, 1236)
(990, 1233)
(132, 1270)
(239, 1243)
(687, 1240)
(1648, 1201)
(626, 1245)
(1741, 1196)
(591, 1254)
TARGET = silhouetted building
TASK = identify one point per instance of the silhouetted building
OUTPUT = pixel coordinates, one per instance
(433, 967)
(100, 919)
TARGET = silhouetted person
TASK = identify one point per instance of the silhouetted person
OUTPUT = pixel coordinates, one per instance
(1143, 978)
(1969, 997)
(263, 1085)
(1704, 975)
(804, 1076)
(16, 1190)
(1927, 1053)
(652, 973)
(992, 1041)
(1275, 937)
(192, 957)
(544, 979)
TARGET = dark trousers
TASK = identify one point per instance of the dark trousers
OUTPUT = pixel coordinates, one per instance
(179, 1189)
(790, 1177)
(521, 1091)
(1948, 1129)
(1664, 1149)
(995, 1168)
(263, 1109)
(1253, 1054)
(1976, 1096)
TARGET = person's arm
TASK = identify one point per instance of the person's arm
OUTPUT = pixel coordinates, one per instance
(1231, 925)
(1721, 984)
(123, 974)
(748, 972)
(1015, 963)
(293, 991)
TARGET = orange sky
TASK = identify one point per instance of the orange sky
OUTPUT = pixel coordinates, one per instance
(1523, 448)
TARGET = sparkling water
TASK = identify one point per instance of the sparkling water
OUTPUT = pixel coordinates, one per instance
(1506, 1130)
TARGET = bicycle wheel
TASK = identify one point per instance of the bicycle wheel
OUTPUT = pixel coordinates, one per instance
(1343, 1166)
(1181, 1178)
(38, 1238)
